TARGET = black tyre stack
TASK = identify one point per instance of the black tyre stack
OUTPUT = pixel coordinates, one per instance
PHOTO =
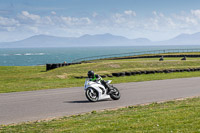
(57, 65)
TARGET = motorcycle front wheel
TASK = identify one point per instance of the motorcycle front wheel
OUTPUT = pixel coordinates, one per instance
(91, 94)
(115, 95)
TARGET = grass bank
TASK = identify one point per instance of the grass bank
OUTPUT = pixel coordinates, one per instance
(172, 116)
(28, 78)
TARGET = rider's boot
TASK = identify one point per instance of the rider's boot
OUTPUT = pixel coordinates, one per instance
(110, 91)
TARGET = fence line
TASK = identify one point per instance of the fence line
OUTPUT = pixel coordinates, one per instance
(137, 53)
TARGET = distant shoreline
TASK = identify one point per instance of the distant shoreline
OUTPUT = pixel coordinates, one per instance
(42, 56)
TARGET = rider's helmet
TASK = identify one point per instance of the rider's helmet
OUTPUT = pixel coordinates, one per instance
(90, 74)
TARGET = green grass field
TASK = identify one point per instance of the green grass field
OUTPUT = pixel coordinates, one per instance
(173, 116)
(28, 78)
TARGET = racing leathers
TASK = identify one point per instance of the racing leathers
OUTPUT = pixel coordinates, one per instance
(97, 78)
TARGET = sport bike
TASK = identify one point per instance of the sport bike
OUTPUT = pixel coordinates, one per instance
(95, 91)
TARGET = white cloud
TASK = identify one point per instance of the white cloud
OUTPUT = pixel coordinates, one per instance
(8, 22)
(33, 20)
(76, 21)
(118, 18)
(10, 28)
(27, 15)
(126, 17)
(125, 23)
(130, 12)
(160, 22)
(33, 29)
(154, 13)
(47, 20)
(94, 14)
(53, 12)
(187, 20)
(86, 20)
(190, 20)
(196, 13)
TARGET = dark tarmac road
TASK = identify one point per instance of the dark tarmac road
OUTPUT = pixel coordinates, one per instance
(47, 104)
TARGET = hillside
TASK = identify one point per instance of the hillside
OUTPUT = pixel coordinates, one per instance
(85, 40)
(98, 40)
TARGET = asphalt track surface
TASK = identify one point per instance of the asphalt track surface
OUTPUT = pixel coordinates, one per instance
(47, 104)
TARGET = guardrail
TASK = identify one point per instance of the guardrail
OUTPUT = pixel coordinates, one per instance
(137, 53)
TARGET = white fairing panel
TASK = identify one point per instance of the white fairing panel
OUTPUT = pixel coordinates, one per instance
(109, 81)
(96, 86)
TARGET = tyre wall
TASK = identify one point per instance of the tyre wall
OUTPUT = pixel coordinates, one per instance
(57, 65)
(121, 74)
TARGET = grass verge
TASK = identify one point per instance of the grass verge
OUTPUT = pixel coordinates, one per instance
(172, 116)
(28, 78)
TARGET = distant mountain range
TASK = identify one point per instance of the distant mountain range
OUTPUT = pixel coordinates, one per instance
(183, 39)
(98, 40)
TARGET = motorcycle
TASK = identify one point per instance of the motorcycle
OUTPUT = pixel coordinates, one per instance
(95, 91)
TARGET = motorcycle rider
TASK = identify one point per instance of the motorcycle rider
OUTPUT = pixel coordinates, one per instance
(95, 78)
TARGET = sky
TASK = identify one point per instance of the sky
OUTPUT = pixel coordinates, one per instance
(153, 19)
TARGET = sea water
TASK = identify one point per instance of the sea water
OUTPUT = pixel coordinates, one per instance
(42, 56)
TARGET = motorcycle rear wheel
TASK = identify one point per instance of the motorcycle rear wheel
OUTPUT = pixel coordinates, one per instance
(92, 95)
